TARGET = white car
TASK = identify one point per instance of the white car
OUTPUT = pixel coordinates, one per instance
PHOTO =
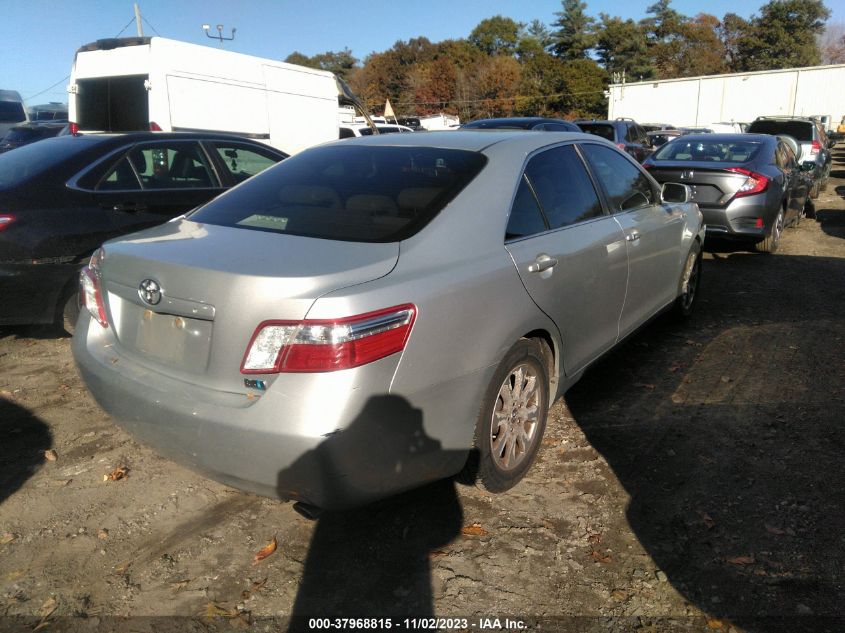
(351, 130)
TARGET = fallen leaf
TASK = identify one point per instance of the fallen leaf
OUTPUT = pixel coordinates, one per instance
(438, 553)
(123, 568)
(103, 534)
(241, 621)
(594, 538)
(773, 530)
(742, 560)
(708, 521)
(645, 385)
(8, 537)
(51, 455)
(179, 585)
(61, 483)
(473, 530)
(600, 558)
(47, 608)
(121, 472)
(265, 551)
(254, 587)
(216, 610)
(726, 379)
(713, 623)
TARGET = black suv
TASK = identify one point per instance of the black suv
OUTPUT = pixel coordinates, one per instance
(814, 146)
(626, 134)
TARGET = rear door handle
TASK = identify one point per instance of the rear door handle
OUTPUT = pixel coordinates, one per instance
(128, 207)
(543, 262)
(633, 236)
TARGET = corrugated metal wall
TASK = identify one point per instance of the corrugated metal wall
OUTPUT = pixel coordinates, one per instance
(817, 90)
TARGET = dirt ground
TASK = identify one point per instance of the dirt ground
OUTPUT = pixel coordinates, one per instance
(693, 480)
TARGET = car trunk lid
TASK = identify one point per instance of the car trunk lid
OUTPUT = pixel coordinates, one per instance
(710, 186)
(186, 297)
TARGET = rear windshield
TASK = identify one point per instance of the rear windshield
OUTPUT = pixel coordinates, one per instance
(11, 112)
(598, 129)
(801, 130)
(30, 160)
(348, 193)
(19, 134)
(708, 151)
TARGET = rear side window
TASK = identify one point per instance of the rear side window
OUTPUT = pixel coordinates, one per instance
(564, 189)
(525, 218)
(172, 166)
(625, 185)
(354, 193)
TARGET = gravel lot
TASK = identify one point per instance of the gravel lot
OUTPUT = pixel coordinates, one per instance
(693, 480)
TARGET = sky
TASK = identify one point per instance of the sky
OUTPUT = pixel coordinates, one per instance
(42, 36)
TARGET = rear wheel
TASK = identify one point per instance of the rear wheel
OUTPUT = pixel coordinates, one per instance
(814, 190)
(70, 313)
(809, 208)
(512, 418)
(771, 242)
(688, 287)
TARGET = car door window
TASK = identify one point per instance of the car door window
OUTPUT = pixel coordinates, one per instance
(625, 185)
(563, 187)
(120, 178)
(172, 166)
(525, 218)
(243, 161)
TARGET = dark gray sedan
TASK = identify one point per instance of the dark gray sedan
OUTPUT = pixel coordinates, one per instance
(748, 186)
(380, 312)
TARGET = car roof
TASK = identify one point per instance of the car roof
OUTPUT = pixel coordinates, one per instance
(519, 119)
(735, 137)
(474, 140)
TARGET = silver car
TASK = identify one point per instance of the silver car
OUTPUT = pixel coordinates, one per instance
(381, 312)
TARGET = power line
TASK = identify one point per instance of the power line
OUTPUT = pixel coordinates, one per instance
(147, 22)
(125, 27)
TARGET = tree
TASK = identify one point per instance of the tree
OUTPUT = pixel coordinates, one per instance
(832, 44)
(574, 35)
(783, 36)
(340, 63)
(495, 86)
(732, 30)
(496, 36)
(433, 85)
(622, 46)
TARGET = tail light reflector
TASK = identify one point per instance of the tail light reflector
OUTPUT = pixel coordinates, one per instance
(91, 289)
(73, 128)
(754, 182)
(315, 345)
(154, 127)
(817, 147)
(5, 220)
(621, 146)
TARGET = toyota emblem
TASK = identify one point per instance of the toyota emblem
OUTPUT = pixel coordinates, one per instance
(149, 291)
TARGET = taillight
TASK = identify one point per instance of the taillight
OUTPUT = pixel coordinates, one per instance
(154, 127)
(620, 145)
(5, 220)
(754, 182)
(91, 289)
(315, 345)
(817, 147)
(73, 128)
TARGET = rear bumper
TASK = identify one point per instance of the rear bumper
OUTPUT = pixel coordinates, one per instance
(739, 219)
(31, 292)
(331, 440)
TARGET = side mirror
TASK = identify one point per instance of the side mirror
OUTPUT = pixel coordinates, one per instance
(675, 192)
(808, 165)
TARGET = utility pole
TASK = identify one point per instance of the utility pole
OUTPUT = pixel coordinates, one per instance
(138, 20)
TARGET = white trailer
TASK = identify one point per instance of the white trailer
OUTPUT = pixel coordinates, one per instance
(699, 101)
(153, 83)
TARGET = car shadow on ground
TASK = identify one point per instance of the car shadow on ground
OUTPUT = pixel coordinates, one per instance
(23, 440)
(373, 561)
(40, 332)
(730, 441)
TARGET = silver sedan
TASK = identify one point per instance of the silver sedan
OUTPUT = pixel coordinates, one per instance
(377, 313)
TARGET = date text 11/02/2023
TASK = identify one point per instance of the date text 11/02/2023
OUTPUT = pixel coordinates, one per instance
(413, 624)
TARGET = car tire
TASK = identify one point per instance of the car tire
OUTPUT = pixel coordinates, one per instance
(70, 314)
(809, 208)
(771, 242)
(814, 190)
(688, 284)
(512, 418)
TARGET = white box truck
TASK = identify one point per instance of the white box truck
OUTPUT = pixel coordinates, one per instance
(153, 83)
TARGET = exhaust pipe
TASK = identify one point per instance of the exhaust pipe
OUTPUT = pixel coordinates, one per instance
(310, 512)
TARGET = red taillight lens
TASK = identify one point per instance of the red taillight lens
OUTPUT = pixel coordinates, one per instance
(73, 128)
(754, 182)
(817, 147)
(154, 127)
(315, 345)
(5, 220)
(621, 146)
(92, 296)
